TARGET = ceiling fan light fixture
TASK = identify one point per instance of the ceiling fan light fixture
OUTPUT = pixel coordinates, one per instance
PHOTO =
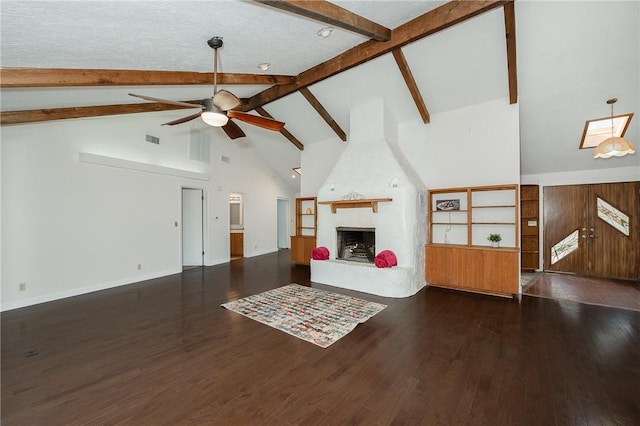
(215, 119)
(614, 146)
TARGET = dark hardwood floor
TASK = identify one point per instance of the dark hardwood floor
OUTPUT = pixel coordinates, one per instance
(165, 352)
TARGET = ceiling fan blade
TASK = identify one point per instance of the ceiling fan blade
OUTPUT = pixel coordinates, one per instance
(165, 101)
(182, 120)
(233, 130)
(225, 100)
(256, 120)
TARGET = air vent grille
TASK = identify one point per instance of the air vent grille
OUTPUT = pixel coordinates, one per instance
(152, 139)
(199, 146)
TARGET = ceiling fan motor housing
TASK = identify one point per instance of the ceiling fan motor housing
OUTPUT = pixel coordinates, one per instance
(209, 106)
(215, 42)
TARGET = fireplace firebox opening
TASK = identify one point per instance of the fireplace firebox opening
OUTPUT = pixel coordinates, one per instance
(356, 244)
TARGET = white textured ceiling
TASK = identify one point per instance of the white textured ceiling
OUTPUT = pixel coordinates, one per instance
(572, 56)
(172, 35)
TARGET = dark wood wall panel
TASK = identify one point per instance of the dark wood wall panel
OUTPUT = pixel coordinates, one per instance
(529, 227)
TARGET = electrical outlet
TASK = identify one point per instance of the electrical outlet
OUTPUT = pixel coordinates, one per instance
(139, 266)
(22, 287)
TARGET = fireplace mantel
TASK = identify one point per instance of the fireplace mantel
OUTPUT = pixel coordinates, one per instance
(355, 204)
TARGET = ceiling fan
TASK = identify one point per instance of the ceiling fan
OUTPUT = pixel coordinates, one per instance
(217, 111)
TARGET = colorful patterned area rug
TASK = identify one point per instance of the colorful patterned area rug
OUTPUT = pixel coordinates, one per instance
(314, 315)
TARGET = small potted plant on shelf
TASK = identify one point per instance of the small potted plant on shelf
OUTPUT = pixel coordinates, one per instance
(495, 239)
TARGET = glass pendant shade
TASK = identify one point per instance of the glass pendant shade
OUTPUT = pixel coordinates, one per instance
(216, 119)
(614, 147)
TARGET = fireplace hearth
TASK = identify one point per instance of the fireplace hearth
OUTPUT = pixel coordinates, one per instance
(356, 244)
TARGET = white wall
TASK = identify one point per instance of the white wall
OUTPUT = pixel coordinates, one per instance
(317, 161)
(69, 227)
(471, 146)
(579, 177)
(260, 186)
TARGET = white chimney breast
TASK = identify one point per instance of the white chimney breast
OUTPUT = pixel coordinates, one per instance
(373, 166)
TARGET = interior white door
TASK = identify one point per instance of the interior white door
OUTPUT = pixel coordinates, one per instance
(283, 229)
(192, 228)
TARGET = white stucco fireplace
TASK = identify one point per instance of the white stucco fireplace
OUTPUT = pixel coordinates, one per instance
(373, 187)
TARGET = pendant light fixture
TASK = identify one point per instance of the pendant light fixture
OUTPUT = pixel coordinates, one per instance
(614, 146)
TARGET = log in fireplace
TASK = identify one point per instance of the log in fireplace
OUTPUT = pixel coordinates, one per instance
(356, 244)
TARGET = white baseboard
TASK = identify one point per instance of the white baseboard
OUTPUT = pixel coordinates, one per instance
(111, 284)
(83, 290)
(218, 261)
(260, 252)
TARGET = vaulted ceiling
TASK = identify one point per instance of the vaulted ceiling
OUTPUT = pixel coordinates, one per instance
(559, 60)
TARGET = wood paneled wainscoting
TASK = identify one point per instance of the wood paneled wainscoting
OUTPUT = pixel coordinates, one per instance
(236, 243)
(487, 270)
(301, 248)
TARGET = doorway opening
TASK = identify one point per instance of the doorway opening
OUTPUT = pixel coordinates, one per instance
(283, 223)
(236, 225)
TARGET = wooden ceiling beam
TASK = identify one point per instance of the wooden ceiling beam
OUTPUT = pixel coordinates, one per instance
(436, 20)
(510, 33)
(37, 115)
(315, 103)
(63, 77)
(429, 23)
(412, 85)
(283, 131)
(333, 15)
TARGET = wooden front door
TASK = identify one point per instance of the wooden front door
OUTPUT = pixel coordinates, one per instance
(586, 227)
(614, 253)
(564, 217)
